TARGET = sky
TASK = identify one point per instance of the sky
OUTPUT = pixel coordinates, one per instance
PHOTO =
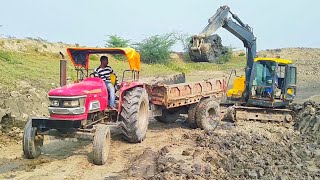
(276, 23)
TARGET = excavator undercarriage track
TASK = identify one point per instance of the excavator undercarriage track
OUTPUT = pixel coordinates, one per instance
(244, 113)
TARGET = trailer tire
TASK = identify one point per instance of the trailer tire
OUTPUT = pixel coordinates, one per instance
(191, 120)
(101, 144)
(169, 115)
(135, 115)
(31, 142)
(208, 114)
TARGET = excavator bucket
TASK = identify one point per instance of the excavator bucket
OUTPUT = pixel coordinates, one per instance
(206, 47)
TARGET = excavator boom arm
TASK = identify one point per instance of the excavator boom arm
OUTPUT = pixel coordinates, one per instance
(216, 21)
(245, 34)
(238, 29)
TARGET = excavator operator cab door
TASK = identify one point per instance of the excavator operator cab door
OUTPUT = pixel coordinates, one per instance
(290, 85)
(263, 80)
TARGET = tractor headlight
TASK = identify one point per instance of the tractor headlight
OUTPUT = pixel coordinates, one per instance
(71, 103)
(55, 103)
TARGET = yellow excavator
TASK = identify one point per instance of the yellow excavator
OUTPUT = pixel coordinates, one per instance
(269, 84)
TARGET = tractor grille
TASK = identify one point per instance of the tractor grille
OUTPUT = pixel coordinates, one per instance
(67, 111)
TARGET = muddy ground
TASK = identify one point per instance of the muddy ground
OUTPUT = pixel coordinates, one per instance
(247, 150)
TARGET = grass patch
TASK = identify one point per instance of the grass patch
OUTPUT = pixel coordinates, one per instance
(42, 69)
(9, 58)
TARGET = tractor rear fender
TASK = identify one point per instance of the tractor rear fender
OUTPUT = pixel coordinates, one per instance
(127, 86)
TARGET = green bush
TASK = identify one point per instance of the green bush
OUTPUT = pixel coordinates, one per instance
(117, 41)
(156, 49)
(242, 54)
(8, 58)
(94, 57)
(184, 39)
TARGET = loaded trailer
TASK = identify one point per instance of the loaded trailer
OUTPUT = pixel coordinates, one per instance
(200, 100)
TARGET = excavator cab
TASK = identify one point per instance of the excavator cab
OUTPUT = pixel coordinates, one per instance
(273, 83)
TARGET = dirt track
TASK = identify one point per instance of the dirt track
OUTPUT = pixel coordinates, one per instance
(71, 159)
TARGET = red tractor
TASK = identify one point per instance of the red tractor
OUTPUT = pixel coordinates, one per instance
(80, 110)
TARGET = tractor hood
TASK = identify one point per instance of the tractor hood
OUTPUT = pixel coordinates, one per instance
(87, 86)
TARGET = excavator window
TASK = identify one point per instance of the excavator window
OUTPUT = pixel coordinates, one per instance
(263, 79)
(293, 79)
(281, 71)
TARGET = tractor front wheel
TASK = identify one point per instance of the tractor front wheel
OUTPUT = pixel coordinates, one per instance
(135, 115)
(32, 142)
(101, 144)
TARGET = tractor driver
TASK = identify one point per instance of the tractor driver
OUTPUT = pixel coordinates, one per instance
(105, 72)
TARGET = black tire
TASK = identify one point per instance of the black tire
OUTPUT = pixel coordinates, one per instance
(101, 144)
(31, 142)
(135, 115)
(169, 115)
(192, 116)
(208, 114)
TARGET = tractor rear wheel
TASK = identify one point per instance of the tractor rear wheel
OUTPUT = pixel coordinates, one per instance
(169, 115)
(135, 115)
(208, 114)
(101, 144)
(32, 142)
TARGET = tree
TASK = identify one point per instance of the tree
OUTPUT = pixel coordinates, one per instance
(184, 39)
(117, 41)
(157, 48)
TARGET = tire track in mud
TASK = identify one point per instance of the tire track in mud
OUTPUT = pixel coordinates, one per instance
(171, 151)
(72, 159)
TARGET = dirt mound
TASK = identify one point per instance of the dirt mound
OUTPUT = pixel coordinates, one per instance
(308, 119)
(170, 79)
(17, 106)
(249, 151)
(144, 165)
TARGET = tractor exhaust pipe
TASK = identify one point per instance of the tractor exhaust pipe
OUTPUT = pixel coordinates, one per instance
(63, 70)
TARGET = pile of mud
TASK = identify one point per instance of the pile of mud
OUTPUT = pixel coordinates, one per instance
(211, 50)
(308, 119)
(16, 107)
(249, 151)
